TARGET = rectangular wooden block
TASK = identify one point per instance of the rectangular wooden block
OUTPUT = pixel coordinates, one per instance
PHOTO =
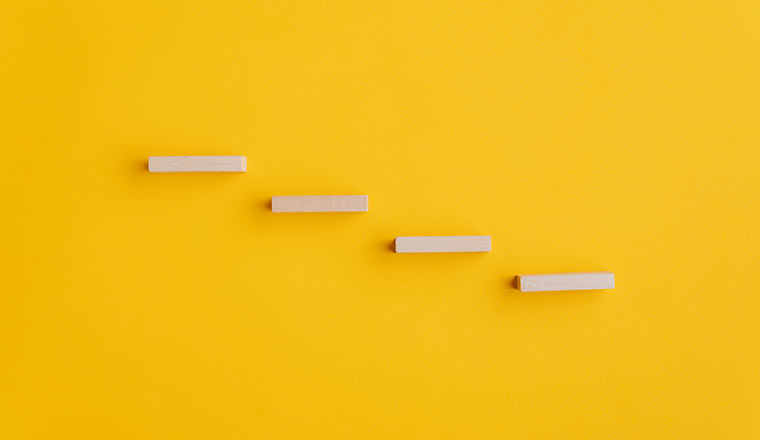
(453, 243)
(197, 164)
(320, 203)
(566, 281)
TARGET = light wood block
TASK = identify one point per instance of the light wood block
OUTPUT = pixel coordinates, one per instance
(453, 243)
(197, 164)
(320, 203)
(566, 281)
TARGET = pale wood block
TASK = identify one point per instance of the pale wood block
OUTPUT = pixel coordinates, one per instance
(566, 281)
(197, 164)
(453, 243)
(320, 203)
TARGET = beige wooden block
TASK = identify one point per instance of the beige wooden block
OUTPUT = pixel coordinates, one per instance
(566, 281)
(453, 243)
(320, 203)
(196, 164)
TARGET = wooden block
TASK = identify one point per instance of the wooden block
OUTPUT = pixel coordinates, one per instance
(453, 243)
(320, 203)
(566, 281)
(196, 164)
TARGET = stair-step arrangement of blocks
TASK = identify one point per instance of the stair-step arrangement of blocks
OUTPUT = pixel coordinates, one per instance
(403, 244)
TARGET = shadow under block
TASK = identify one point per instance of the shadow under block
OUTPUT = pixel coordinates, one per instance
(197, 164)
(453, 243)
(566, 281)
(320, 203)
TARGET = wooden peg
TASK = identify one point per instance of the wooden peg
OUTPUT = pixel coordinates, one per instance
(453, 243)
(566, 281)
(196, 164)
(320, 203)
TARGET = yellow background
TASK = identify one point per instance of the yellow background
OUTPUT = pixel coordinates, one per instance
(606, 135)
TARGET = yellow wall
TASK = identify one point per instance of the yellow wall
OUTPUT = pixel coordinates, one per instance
(601, 135)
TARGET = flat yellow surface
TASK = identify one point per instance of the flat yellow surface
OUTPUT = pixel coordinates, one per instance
(582, 136)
